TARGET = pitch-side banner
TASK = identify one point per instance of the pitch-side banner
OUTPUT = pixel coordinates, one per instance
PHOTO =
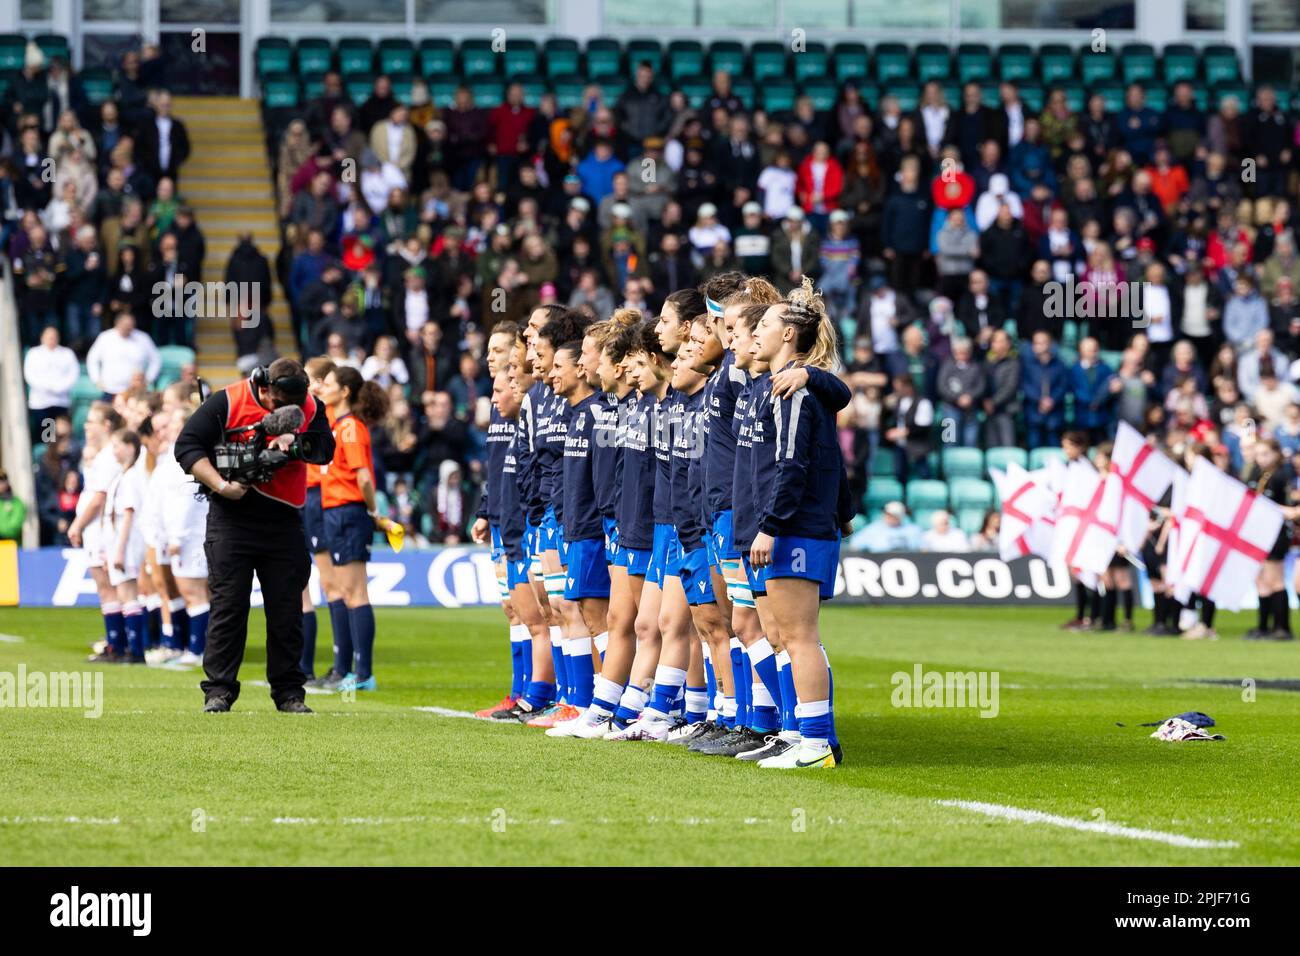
(464, 577)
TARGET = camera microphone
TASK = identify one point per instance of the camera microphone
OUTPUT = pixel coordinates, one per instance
(283, 421)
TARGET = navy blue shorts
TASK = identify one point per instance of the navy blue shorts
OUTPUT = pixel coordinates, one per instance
(663, 550)
(693, 568)
(611, 542)
(313, 522)
(349, 532)
(812, 559)
(588, 574)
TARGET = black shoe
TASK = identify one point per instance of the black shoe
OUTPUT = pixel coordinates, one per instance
(775, 745)
(332, 678)
(518, 711)
(737, 742)
(1254, 634)
(838, 751)
(1157, 630)
(216, 705)
(295, 705)
(106, 656)
(705, 729)
(131, 659)
(1278, 635)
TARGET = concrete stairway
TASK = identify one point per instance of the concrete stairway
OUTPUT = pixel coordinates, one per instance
(228, 182)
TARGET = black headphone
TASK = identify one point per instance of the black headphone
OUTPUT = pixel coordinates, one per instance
(292, 385)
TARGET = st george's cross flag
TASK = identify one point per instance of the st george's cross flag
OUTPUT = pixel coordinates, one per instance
(1026, 502)
(1084, 539)
(1226, 533)
(1175, 535)
(1142, 475)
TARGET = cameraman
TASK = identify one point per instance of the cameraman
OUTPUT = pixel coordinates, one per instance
(255, 528)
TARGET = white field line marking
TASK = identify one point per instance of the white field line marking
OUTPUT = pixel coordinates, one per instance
(92, 821)
(11, 639)
(447, 712)
(1088, 826)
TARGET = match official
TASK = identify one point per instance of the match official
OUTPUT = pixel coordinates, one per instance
(257, 527)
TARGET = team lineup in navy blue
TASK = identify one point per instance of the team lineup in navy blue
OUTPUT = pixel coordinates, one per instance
(664, 502)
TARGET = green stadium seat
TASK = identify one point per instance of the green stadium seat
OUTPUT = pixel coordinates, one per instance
(974, 62)
(396, 55)
(1070, 333)
(849, 61)
(1137, 62)
(85, 389)
(1039, 457)
(442, 89)
(358, 87)
(882, 464)
(697, 89)
(612, 87)
(54, 46)
(1075, 95)
(1068, 355)
(437, 57)
(776, 94)
(893, 62)
(1157, 95)
(1240, 90)
(1220, 65)
(403, 88)
(962, 463)
(822, 92)
(880, 492)
(990, 94)
(1034, 97)
(313, 85)
(1015, 62)
(1097, 67)
(728, 56)
(1201, 95)
(767, 60)
(175, 357)
(1112, 91)
(648, 50)
(924, 497)
(478, 59)
(971, 520)
(971, 493)
(521, 58)
(933, 62)
(13, 50)
(743, 88)
(952, 94)
(999, 458)
(97, 84)
(355, 56)
(812, 62)
(534, 85)
(272, 55)
(1056, 63)
(1111, 358)
(488, 91)
(604, 58)
(1180, 62)
(870, 94)
(685, 58)
(561, 56)
(568, 90)
(313, 56)
(1285, 98)
(280, 92)
(907, 94)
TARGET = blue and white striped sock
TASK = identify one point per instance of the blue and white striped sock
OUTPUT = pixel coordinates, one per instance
(668, 683)
(133, 620)
(605, 696)
(631, 704)
(815, 723)
(744, 690)
(582, 671)
(198, 615)
(765, 689)
(697, 704)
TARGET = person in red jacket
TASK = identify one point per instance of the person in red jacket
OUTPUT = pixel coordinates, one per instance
(509, 142)
(818, 185)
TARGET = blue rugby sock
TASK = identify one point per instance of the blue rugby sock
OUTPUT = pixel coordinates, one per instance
(526, 650)
(631, 704)
(815, 723)
(341, 622)
(308, 662)
(517, 679)
(133, 621)
(539, 694)
(830, 701)
(744, 690)
(582, 671)
(198, 639)
(605, 695)
(766, 689)
(363, 638)
(153, 620)
(697, 704)
(561, 663)
(114, 627)
(711, 684)
(180, 624)
(668, 683)
(789, 700)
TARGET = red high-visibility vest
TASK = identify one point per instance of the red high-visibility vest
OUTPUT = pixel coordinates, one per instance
(289, 484)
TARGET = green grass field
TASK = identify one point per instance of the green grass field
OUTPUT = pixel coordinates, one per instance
(154, 781)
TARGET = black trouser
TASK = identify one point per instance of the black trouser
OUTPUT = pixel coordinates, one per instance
(276, 551)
